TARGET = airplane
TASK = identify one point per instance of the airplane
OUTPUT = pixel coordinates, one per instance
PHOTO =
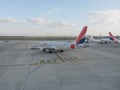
(113, 38)
(100, 41)
(54, 46)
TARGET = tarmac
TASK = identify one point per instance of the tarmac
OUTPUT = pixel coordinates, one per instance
(94, 68)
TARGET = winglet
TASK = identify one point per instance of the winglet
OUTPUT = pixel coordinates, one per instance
(81, 38)
(111, 36)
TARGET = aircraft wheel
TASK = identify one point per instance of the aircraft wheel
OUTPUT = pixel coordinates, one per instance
(50, 51)
(47, 50)
(106, 42)
(44, 50)
(61, 50)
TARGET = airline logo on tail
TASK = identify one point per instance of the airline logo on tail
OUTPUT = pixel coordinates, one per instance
(81, 38)
(111, 36)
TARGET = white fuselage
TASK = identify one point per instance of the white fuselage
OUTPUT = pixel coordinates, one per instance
(56, 45)
(105, 40)
(102, 40)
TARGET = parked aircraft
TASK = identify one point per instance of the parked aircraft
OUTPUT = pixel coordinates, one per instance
(101, 40)
(113, 38)
(53, 46)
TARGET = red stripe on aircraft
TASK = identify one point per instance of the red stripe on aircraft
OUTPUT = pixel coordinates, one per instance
(83, 32)
(112, 36)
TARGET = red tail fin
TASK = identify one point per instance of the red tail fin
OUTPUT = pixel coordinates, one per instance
(81, 35)
(111, 36)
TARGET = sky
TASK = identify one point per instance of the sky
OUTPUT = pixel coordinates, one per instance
(59, 17)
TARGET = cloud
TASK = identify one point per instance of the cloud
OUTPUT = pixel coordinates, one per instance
(61, 24)
(109, 17)
(105, 21)
(45, 22)
(51, 11)
(8, 20)
(40, 21)
(37, 20)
